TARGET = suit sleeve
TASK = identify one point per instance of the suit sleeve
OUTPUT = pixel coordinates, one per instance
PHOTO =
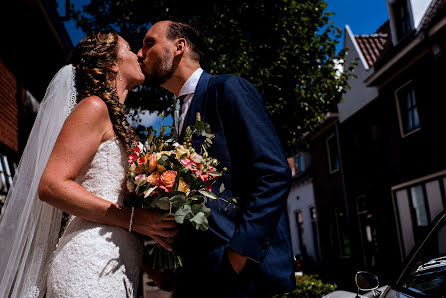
(263, 172)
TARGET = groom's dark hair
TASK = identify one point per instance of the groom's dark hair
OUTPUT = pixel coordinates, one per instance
(181, 29)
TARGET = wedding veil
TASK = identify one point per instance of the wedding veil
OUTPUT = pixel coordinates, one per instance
(29, 228)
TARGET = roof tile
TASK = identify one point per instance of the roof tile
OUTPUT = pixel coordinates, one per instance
(373, 46)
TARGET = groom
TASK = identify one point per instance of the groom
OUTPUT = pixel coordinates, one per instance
(247, 251)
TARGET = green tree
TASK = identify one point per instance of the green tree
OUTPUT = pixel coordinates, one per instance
(286, 48)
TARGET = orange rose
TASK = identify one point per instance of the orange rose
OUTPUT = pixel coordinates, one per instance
(168, 179)
(154, 178)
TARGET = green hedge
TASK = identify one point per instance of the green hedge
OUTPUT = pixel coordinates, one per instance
(309, 286)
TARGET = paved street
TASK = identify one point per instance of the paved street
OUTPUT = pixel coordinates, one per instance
(151, 291)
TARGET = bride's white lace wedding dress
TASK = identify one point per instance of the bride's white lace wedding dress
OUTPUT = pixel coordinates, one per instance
(96, 260)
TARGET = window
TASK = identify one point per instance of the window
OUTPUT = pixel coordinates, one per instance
(417, 203)
(419, 206)
(407, 109)
(402, 18)
(313, 215)
(300, 231)
(6, 174)
(333, 156)
(299, 163)
(368, 232)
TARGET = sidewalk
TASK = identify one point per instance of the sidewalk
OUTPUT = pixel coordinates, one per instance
(151, 291)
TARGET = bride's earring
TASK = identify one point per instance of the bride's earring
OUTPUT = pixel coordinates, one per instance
(119, 73)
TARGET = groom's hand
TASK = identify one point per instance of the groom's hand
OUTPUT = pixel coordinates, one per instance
(236, 260)
(162, 231)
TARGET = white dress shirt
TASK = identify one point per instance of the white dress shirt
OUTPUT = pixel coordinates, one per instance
(189, 90)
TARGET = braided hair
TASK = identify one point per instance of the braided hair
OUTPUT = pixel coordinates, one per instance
(92, 59)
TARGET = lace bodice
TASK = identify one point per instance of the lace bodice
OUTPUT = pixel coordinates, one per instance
(105, 176)
(96, 260)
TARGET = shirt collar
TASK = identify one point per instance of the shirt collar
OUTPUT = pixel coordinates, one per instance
(191, 83)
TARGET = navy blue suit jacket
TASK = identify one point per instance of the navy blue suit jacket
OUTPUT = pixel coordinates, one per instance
(258, 173)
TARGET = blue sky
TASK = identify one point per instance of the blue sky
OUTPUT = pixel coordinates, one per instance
(363, 16)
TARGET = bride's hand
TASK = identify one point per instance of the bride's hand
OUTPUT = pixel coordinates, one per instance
(147, 222)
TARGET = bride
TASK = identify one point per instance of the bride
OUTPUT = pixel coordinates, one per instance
(83, 174)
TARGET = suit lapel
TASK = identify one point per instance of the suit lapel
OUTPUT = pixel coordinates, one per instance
(197, 103)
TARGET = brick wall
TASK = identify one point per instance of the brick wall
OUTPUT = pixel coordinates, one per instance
(8, 108)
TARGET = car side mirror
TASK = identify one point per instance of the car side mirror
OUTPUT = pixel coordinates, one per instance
(366, 281)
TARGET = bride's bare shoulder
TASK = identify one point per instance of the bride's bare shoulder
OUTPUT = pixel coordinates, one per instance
(92, 105)
(93, 102)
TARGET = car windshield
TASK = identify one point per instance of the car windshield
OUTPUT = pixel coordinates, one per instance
(428, 276)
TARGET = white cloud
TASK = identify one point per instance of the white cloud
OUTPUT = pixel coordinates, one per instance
(149, 119)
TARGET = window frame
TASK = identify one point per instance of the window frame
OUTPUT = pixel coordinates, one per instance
(299, 166)
(330, 168)
(399, 21)
(314, 226)
(300, 226)
(406, 186)
(409, 84)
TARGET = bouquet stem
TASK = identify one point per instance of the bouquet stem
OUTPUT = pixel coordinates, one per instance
(163, 260)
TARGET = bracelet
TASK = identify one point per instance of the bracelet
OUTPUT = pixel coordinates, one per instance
(131, 219)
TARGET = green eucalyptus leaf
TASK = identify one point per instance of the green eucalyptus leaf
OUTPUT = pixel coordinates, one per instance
(149, 191)
(195, 208)
(208, 194)
(163, 160)
(206, 211)
(178, 200)
(163, 203)
(181, 213)
(199, 221)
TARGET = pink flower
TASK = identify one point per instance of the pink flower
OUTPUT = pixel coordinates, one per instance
(189, 164)
(209, 186)
(165, 188)
(197, 158)
(136, 152)
(204, 177)
(140, 178)
(133, 157)
(211, 169)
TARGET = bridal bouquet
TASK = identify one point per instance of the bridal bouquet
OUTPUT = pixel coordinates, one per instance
(175, 179)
